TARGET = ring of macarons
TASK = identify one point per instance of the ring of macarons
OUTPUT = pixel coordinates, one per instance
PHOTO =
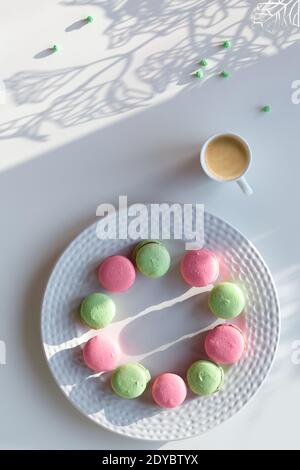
(225, 344)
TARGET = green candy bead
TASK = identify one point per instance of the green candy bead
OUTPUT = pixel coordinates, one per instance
(55, 48)
(203, 62)
(130, 380)
(266, 109)
(199, 74)
(226, 44)
(89, 19)
(205, 377)
(226, 300)
(225, 74)
(97, 310)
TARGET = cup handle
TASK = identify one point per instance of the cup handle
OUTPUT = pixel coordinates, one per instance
(245, 187)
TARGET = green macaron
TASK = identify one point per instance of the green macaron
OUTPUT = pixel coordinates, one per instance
(130, 380)
(205, 377)
(226, 300)
(152, 258)
(140, 245)
(97, 310)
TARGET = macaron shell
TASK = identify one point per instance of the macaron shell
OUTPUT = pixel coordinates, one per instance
(199, 267)
(226, 300)
(101, 353)
(97, 310)
(116, 273)
(140, 245)
(205, 377)
(169, 390)
(225, 344)
(153, 260)
(130, 380)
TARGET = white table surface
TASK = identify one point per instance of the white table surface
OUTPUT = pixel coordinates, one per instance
(116, 112)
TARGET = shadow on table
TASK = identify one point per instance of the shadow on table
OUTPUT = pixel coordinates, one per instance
(76, 25)
(80, 172)
(44, 53)
(90, 92)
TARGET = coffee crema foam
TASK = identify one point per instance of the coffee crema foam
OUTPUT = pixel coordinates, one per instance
(226, 157)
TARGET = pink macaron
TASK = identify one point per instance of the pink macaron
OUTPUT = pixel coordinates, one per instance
(101, 353)
(225, 344)
(168, 390)
(199, 267)
(116, 273)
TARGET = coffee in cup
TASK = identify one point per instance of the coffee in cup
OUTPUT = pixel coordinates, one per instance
(226, 157)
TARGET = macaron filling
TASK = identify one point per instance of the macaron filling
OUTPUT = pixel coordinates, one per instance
(140, 245)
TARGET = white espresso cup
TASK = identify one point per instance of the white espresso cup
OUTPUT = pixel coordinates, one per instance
(224, 173)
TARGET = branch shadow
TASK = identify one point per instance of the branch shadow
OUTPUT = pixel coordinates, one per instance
(100, 89)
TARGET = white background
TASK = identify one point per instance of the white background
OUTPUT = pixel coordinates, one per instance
(116, 112)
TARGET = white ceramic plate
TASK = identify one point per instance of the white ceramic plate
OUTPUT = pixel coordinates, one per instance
(163, 340)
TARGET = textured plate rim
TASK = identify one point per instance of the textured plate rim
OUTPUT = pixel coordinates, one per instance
(119, 431)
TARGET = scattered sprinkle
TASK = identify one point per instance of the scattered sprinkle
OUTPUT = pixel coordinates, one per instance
(266, 109)
(89, 19)
(198, 73)
(203, 62)
(225, 74)
(55, 48)
(226, 44)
